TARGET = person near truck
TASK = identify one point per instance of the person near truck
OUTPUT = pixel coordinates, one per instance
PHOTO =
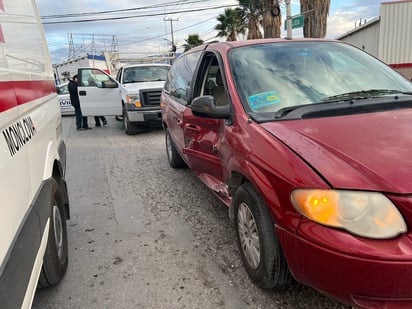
(81, 122)
(97, 121)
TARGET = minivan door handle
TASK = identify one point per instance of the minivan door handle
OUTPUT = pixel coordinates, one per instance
(82, 92)
(193, 128)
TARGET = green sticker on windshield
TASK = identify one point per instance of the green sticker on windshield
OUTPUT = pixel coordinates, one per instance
(263, 99)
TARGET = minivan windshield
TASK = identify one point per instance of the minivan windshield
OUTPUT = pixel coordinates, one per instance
(275, 76)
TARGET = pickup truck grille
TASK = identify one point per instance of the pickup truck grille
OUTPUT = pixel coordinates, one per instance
(150, 97)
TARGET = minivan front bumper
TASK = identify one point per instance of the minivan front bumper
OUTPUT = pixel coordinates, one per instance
(368, 273)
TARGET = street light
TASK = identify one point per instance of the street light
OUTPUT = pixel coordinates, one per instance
(173, 46)
(168, 41)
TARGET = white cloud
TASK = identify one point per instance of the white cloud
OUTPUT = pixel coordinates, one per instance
(344, 18)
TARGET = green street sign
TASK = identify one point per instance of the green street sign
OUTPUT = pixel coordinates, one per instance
(296, 21)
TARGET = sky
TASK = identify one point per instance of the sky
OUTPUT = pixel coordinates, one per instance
(148, 23)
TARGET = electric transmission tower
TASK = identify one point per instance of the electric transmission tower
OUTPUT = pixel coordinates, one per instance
(81, 44)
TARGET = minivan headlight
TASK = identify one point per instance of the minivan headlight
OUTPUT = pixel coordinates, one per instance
(367, 214)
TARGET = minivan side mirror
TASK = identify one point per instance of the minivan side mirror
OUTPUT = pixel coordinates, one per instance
(205, 106)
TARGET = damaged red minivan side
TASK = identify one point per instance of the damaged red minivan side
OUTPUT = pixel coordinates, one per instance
(308, 143)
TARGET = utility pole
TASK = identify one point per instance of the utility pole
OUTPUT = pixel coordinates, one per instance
(288, 19)
(171, 28)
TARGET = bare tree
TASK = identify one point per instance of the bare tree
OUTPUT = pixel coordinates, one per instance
(316, 16)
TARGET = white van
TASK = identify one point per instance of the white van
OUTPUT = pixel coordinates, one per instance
(34, 203)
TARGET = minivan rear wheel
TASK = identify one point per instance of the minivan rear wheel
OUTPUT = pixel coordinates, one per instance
(173, 157)
(258, 243)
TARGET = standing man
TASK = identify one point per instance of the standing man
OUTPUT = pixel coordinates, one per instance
(97, 120)
(81, 122)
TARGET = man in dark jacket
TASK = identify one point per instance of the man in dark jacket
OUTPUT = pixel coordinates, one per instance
(81, 122)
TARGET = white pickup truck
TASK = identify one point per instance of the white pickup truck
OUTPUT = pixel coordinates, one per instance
(135, 94)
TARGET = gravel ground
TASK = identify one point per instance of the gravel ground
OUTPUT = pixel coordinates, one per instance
(143, 235)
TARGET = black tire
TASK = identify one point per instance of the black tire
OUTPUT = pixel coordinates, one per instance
(257, 240)
(173, 157)
(129, 127)
(119, 118)
(55, 258)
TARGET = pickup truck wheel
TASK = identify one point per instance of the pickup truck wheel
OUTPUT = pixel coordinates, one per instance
(119, 118)
(55, 258)
(175, 160)
(129, 127)
(257, 240)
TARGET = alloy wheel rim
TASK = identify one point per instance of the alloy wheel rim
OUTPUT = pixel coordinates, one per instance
(168, 146)
(249, 236)
(58, 230)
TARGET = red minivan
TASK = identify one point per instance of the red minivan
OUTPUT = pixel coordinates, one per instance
(308, 142)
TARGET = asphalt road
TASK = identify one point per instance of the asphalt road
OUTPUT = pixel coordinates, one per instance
(143, 235)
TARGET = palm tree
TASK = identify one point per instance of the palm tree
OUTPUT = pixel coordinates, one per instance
(252, 10)
(272, 18)
(192, 41)
(315, 18)
(231, 23)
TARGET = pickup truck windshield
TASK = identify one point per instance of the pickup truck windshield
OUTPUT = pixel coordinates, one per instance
(140, 74)
(275, 76)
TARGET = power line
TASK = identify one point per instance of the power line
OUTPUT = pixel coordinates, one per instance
(137, 16)
(181, 6)
(162, 35)
(123, 10)
(211, 38)
(207, 32)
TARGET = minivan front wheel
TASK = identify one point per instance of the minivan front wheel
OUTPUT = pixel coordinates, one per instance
(259, 246)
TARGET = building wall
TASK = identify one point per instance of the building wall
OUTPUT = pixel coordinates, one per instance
(395, 38)
(71, 66)
(366, 38)
(98, 63)
(66, 70)
(388, 38)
